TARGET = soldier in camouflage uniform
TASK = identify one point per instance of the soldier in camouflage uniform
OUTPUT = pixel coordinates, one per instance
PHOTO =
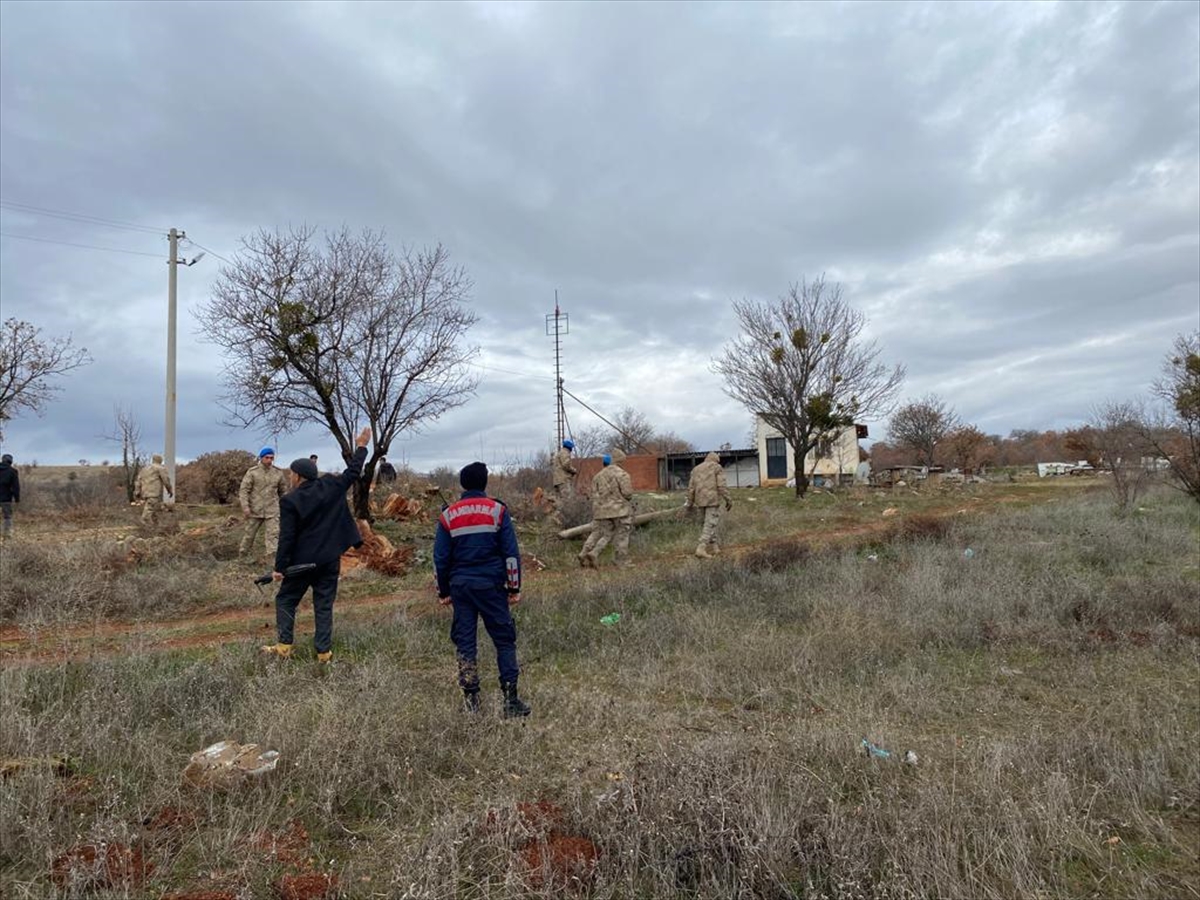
(262, 486)
(612, 512)
(563, 479)
(152, 481)
(564, 471)
(707, 491)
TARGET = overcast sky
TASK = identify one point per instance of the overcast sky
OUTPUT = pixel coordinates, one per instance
(1009, 191)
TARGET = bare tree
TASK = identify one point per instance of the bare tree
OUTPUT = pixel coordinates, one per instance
(1175, 433)
(802, 365)
(591, 441)
(669, 442)
(1120, 435)
(921, 425)
(28, 363)
(128, 433)
(341, 333)
(965, 447)
(632, 432)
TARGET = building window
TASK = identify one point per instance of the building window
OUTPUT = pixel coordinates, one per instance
(776, 458)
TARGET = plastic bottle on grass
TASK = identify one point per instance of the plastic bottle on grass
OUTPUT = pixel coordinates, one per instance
(875, 751)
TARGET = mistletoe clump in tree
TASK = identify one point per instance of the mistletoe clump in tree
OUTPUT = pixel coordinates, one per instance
(341, 332)
(801, 364)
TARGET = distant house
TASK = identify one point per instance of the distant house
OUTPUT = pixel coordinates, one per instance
(836, 459)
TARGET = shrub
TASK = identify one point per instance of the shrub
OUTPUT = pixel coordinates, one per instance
(213, 477)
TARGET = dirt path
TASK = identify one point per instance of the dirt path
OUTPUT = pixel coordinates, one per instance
(25, 645)
(257, 623)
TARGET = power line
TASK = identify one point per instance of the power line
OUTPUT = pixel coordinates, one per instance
(207, 250)
(621, 431)
(25, 237)
(507, 371)
(78, 217)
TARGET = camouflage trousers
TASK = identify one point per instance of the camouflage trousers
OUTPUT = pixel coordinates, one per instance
(6, 517)
(270, 527)
(708, 534)
(151, 510)
(605, 530)
(559, 494)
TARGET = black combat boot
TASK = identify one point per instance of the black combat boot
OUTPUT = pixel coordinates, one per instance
(471, 700)
(513, 705)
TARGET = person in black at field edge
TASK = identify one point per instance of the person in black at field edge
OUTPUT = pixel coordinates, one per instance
(315, 526)
(10, 493)
(478, 568)
(387, 472)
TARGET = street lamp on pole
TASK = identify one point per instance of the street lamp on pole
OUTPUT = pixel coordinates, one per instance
(172, 282)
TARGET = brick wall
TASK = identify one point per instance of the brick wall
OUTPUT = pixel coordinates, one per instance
(643, 472)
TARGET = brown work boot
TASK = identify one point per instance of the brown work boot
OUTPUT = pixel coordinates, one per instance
(587, 561)
(326, 657)
(283, 651)
(702, 552)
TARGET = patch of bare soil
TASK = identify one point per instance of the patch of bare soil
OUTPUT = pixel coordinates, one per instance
(168, 822)
(288, 847)
(560, 859)
(549, 853)
(306, 886)
(103, 866)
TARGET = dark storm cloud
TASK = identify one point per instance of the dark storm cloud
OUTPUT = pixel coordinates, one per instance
(1010, 191)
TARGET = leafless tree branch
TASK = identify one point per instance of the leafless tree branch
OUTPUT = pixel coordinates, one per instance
(802, 365)
(343, 334)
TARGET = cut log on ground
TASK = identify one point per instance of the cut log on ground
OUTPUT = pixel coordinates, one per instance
(640, 519)
(402, 509)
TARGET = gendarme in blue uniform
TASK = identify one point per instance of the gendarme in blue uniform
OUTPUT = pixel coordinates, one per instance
(478, 564)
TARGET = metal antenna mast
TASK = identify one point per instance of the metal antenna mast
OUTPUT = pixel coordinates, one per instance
(557, 325)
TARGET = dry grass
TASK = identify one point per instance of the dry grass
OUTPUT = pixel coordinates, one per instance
(708, 746)
(64, 569)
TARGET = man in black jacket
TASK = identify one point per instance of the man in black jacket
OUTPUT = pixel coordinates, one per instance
(315, 526)
(10, 493)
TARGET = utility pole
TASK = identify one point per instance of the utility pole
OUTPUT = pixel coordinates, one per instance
(557, 325)
(172, 281)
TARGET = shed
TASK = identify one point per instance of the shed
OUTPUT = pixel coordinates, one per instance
(741, 468)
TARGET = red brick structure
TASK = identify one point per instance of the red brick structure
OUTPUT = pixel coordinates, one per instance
(643, 472)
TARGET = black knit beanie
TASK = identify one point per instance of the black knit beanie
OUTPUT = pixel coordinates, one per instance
(473, 477)
(305, 468)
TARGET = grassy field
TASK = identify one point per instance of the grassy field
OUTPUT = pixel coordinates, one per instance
(709, 745)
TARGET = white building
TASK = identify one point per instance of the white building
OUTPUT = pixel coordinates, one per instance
(830, 459)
